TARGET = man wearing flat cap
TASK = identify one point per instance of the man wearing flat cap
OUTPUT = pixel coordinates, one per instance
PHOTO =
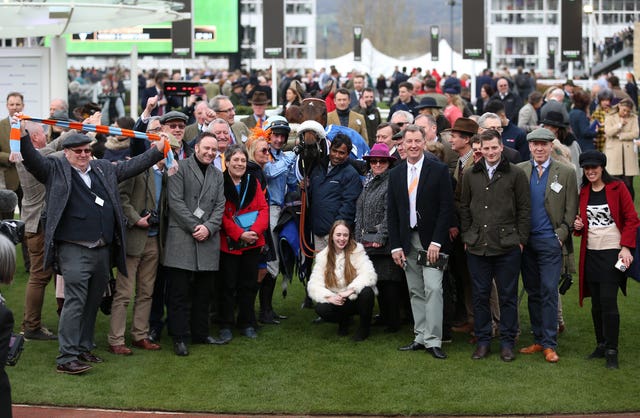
(554, 204)
(84, 227)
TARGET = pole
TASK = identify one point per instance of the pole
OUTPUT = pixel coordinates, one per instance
(274, 83)
(452, 3)
(590, 43)
(133, 97)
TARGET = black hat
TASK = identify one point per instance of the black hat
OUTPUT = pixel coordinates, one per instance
(593, 158)
(173, 115)
(554, 118)
(427, 103)
(75, 140)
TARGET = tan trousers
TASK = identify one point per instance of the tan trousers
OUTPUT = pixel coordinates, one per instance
(39, 278)
(142, 276)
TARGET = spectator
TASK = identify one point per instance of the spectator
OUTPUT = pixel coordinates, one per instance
(621, 129)
(528, 116)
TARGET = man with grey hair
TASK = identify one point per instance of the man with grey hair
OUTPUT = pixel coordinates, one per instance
(402, 118)
(224, 109)
(221, 129)
(512, 102)
(492, 121)
(203, 114)
(555, 103)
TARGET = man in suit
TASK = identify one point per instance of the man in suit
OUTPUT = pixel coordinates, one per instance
(224, 109)
(164, 103)
(428, 122)
(85, 227)
(512, 102)
(494, 220)
(192, 251)
(140, 198)
(358, 90)
(259, 102)
(420, 202)
(368, 109)
(15, 104)
(343, 116)
(554, 204)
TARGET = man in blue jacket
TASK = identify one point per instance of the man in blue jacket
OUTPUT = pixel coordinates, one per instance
(334, 187)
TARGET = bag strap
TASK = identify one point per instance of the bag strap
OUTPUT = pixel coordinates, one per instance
(244, 194)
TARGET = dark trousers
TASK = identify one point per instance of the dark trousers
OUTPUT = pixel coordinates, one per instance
(389, 302)
(541, 268)
(459, 273)
(505, 269)
(239, 282)
(86, 272)
(604, 313)
(362, 305)
(159, 300)
(188, 308)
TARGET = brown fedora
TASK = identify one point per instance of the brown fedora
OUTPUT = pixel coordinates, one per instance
(464, 125)
(259, 98)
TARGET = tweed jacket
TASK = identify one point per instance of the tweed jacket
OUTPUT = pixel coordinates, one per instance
(561, 206)
(191, 132)
(188, 190)
(55, 174)
(10, 174)
(495, 214)
(250, 122)
(137, 194)
(356, 122)
(528, 118)
(371, 213)
(365, 275)
(240, 132)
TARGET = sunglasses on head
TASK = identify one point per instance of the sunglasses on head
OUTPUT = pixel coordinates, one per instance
(81, 151)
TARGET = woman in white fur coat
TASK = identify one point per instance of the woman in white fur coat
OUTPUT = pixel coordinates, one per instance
(343, 282)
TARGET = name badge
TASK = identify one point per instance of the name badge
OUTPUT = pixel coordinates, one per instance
(99, 201)
(556, 187)
(371, 116)
(198, 212)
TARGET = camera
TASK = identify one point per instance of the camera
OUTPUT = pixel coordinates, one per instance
(154, 219)
(566, 280)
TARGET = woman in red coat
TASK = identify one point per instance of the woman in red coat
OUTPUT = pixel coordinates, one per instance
(607, 222)
(240, 247)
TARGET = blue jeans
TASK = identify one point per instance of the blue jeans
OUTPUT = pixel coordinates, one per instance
(541, 268)
(504, 268)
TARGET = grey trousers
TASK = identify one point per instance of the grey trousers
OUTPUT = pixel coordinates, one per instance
(86, 274)
(425, 291)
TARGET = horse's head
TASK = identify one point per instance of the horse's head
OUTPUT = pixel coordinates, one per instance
(312, 138)
(314, 109)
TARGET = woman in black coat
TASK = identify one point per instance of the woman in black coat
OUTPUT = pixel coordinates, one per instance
(7, 269)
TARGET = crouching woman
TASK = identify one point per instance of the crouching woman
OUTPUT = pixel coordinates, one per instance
(343, 282)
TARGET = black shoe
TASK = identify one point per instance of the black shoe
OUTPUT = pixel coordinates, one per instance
(180, 348)
(278, 316)
(343, 329)
(154, 335)
(225, 335)
(414, 346)
(318, 320)
(41, 334)
(249, 332)
(612, 359)
(597, 353)
(360, 335)
(437, 353)
(482, 351)
(89, 357)
(268, 318)
(209, 340)
(73, 367)
(506, 354)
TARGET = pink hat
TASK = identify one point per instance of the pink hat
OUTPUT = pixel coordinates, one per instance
(379, 150)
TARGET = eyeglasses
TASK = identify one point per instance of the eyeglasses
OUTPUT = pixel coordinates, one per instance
(495, 128)
(81, 151)
(176, 125)
(264, 150)
(158, 129)
(401, 124)
(376, 161)
(231, 109)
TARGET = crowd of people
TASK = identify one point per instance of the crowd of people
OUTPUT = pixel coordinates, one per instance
(434, 212)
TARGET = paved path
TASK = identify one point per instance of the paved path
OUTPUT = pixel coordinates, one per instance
(26, 411)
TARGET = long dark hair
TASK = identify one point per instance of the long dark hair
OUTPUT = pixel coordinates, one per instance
(606, 178)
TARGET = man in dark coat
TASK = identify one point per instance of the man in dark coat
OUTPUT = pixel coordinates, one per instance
(84, 227)
(512, 102)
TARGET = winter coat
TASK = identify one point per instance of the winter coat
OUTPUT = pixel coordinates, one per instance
(371, 213)
(622, 158)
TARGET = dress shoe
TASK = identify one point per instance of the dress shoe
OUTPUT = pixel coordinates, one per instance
(597, 353)
(437, 353)
(120, 349)
(465, 328)
(225, 335)
(612, 359)
(89, 357)
(414, 346)
(209, 340)
(180, 348)
(249, 332)
(360, 335)
(278, 316)
(533, 348)
(473, 340)
(561, 328)
(154, 335)
(482, 351)
(506, 354)
(73, 367)
(146, 344)
(447, 336)
(550, 355)
(268, 320)
(41, 334)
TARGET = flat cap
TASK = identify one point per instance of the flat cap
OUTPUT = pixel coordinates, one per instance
(173, 115)
(541, 134)
(75, 140)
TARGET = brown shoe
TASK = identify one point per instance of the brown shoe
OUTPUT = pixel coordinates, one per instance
(89, 357)
(465, 328)
(482, 351)
(121, 349)
(561, 328)
(146, 344)
(73, 367)
(506, 354)
(533, 348)
(550, 355)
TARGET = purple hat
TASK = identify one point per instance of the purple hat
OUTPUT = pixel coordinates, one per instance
(379, 150)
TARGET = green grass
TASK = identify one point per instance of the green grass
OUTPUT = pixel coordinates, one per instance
(301, 368)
